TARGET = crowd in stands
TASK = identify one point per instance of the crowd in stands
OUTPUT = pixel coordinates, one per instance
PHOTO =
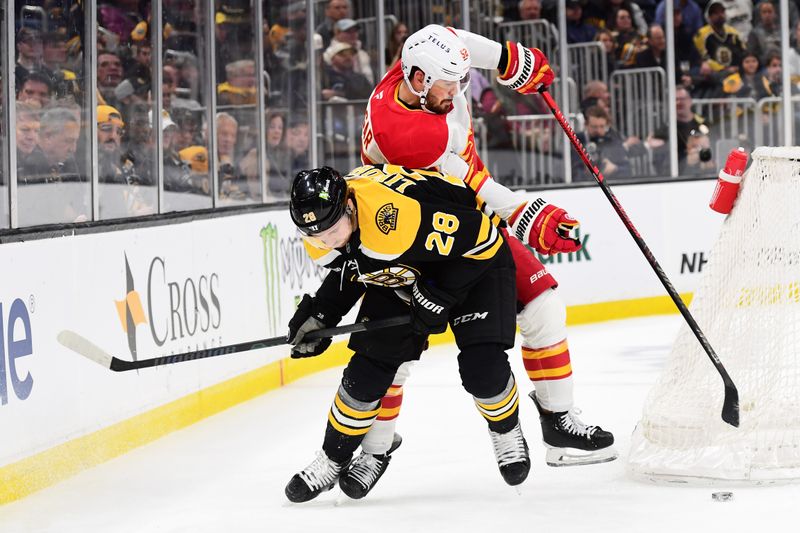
(725, 49)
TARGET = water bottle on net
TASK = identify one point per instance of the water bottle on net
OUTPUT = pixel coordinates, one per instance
(729, 181)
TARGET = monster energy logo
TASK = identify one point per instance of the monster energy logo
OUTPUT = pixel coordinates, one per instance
(269, 240)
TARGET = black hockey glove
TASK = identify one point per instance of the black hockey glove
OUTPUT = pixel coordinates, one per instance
(429, 309)
(305, 320)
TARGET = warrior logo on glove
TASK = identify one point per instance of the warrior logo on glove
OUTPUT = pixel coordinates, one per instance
(545, 227)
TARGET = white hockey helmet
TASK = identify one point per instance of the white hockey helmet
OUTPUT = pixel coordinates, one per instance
(440, 54)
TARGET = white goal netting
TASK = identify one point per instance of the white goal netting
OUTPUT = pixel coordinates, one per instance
(748, 305)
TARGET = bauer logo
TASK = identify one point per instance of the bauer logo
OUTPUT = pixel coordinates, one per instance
(16, 341)
(176, 308)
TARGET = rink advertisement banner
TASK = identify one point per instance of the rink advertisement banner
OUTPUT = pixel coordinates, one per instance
(162, 290)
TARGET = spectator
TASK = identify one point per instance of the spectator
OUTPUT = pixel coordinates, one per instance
(605, 147)
(109, 75)
(577, 30)
(276, 147)
(346, 31)
(188, 115)
(748, 82)
(196, 157)
(766, 35)
(27, 126)
(397, 38)
(240, 89)
(297, 144)
(53, 162)
(54, 60)
(29, 53)
(142, 64)
(686, 57)
(698, 161)
(338, 77)
(169, 82)
(687, 121)
(530, 9)
(655, 55)
(231, 183)
(773, 71)
(36, 87)
(739, 14)
(335, 10)
(596, 93)
(628, 40)
(718, 44)
(53, 159)
(607, 39)
(113, 165)
(638, 22)
(793, 58)
(690, 12)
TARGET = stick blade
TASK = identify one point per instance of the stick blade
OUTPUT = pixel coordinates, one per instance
(84, 347)
(730, 406)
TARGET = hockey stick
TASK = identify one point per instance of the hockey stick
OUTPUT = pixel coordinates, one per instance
(86, 348)
(730, 405)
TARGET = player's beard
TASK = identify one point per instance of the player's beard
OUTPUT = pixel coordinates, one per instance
(440, 107)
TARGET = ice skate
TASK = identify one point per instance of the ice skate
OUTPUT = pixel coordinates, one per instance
(570, 442)
(511, 452)
(319, 476)
(365, 471)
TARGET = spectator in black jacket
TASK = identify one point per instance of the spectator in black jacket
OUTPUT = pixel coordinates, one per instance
(605, 147)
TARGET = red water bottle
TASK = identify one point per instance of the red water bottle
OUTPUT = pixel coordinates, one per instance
(730, 178)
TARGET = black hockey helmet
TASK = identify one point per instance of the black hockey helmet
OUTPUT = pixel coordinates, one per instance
(318, 199)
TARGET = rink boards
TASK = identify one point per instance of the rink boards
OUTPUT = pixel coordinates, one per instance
(177, 287)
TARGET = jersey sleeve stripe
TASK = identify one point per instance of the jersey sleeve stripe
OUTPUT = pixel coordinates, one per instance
(488, 248)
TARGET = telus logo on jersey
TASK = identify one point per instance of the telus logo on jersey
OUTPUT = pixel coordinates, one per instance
(16, 341)
(177, 307)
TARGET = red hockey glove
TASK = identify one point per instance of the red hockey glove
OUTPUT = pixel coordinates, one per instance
(527, 69)
(545, 227)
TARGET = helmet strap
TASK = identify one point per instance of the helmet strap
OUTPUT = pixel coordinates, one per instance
(422, 95)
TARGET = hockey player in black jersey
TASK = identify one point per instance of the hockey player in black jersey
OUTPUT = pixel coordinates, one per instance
(405, 239)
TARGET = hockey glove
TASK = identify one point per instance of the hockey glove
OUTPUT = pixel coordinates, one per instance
(304, 321)
(545, 227)
(429, 309)
(526, 70)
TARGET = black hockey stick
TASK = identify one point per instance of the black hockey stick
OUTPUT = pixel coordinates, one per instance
(86, 348)
(730, 406)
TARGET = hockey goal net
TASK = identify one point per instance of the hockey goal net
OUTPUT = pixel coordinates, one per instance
(748, 305)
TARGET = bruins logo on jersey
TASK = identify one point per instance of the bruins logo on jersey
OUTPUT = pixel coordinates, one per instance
(723, 55)
(391, 277)
(386, 218)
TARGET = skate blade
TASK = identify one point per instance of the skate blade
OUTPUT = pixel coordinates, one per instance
(574, 457)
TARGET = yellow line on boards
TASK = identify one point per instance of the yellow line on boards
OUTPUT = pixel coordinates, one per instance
(46, 468)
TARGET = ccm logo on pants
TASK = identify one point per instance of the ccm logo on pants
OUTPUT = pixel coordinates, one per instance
(470, 317)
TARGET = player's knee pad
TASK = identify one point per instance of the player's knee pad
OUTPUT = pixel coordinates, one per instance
(543, 321)
(484, 369)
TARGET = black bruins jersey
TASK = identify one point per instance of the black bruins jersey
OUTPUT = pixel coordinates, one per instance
(722, 51)
(408, 221)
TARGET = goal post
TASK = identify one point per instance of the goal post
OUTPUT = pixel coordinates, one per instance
(748, 305)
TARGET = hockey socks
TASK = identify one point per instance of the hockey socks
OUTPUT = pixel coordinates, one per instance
(501, 411)
(348, 421)
(550, 370)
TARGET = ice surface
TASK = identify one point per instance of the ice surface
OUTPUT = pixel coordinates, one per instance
(227, 473)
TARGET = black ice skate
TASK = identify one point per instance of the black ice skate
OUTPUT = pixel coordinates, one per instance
(511, 452)
(319, 476)
(365, 471)
(571, 442)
